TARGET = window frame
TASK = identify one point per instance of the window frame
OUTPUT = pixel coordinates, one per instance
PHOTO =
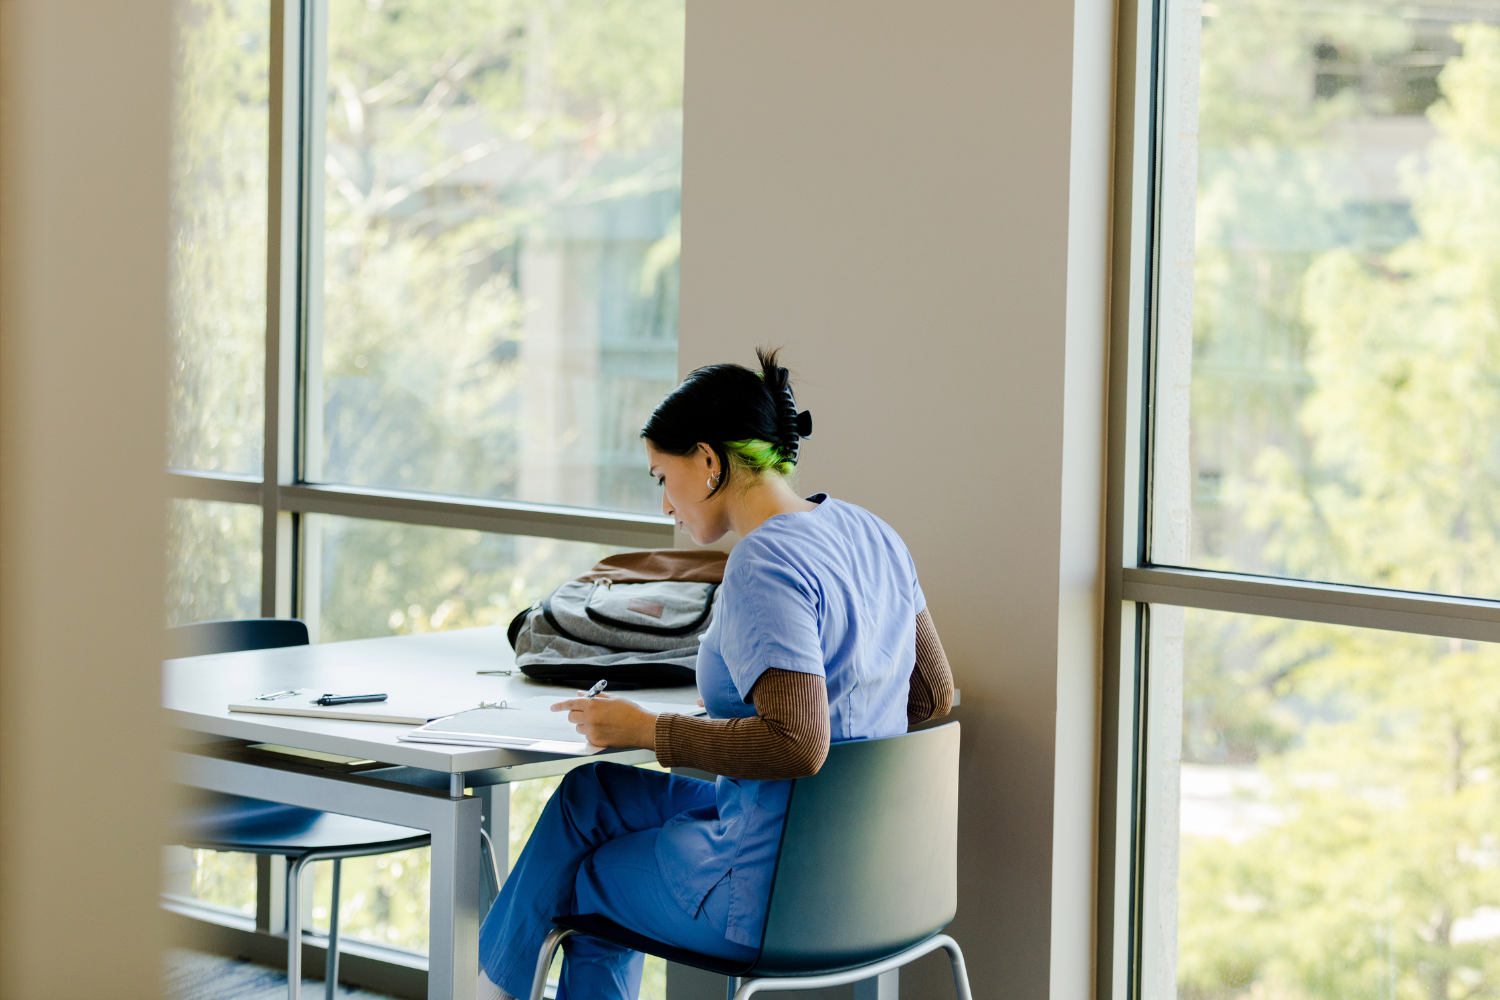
(1132, 583)
(298, 57)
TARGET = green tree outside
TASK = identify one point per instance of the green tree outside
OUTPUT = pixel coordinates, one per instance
(1380, 876)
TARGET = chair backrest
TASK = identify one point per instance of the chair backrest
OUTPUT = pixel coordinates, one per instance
(869, 855)
(202, 638)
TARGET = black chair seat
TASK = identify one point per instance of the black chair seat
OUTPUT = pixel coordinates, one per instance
(221, 816)
(234, 636)
(596, 925)
(254, 827)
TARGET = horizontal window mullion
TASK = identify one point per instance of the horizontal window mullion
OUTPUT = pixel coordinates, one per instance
(1471, 618)
(187, 484)
(501, 517)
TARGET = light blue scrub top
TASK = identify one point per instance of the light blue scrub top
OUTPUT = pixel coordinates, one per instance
(832, 592)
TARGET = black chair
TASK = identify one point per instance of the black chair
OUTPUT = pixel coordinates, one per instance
(866, 877)
(219, 822)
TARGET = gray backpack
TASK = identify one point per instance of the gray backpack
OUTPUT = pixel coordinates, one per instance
(613, 625)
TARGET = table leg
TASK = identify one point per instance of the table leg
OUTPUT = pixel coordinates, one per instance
(886, 986)
(453, 930)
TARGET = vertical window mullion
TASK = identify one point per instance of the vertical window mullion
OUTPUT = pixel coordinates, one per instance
(1124, 784)
(314, 108)
(282, 266)
(308, 436)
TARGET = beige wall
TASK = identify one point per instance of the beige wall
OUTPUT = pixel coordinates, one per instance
(83, 237)
(884, 189)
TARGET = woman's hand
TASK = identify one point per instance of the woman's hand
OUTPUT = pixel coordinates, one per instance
(611, 722)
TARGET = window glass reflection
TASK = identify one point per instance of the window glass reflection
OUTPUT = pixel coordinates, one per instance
(1323, 807)
(500, 209)
(213, 561)
(1326, 338)
(380, 578)
(221, 124)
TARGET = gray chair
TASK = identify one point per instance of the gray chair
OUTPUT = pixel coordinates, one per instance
(219, 822)
(866, 877)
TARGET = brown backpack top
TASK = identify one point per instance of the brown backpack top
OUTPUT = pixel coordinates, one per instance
(682, 565)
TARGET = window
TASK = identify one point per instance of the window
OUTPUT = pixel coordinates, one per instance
(378, 578)
(1309, 507)
(221, 135)
(213, 561)
(1325, 404)
(497, 310)
(471, 212)
(428, 414)
(1334, 821)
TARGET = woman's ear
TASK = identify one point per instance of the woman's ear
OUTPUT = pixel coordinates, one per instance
(709, 458)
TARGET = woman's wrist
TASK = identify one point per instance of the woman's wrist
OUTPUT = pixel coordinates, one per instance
(647, 738)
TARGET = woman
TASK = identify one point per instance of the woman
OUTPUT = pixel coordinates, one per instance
(820, 632)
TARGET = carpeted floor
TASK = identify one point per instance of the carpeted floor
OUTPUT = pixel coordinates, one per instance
(192, 975)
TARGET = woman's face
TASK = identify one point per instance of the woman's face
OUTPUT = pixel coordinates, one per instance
(685, 481)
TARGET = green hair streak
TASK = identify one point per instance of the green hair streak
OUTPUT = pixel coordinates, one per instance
(758, 456)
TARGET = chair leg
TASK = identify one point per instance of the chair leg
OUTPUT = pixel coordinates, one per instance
(294, 927)
(331, 967)
(732, 984)
(885, 979)
(960, 972)
(544, 960)
(492, 882)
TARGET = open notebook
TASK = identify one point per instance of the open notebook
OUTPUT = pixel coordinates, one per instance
(525, 725)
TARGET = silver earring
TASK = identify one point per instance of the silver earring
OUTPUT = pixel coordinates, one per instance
(713, 483)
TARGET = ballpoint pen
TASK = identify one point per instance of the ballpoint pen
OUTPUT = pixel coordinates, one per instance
(347, 699)
(596, 689)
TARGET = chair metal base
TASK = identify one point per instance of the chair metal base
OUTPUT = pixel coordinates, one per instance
(294, 910)
(749, 987)
(741, 989)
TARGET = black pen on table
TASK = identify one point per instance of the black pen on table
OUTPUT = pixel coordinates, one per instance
(346, 699)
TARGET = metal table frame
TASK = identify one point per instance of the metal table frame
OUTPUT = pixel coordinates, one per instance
(428, 800)
(447, 798)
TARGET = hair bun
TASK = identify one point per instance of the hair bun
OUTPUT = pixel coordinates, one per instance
(791, 426)
(788, 422)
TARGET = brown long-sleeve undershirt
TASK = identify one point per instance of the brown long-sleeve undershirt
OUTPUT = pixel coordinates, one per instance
(931, 695)
(788, 736)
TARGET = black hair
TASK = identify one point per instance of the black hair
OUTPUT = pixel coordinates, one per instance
(748, 418)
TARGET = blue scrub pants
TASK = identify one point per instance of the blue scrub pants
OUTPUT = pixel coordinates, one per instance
(594, 851)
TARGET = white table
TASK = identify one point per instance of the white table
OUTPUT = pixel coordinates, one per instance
(425, 785)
